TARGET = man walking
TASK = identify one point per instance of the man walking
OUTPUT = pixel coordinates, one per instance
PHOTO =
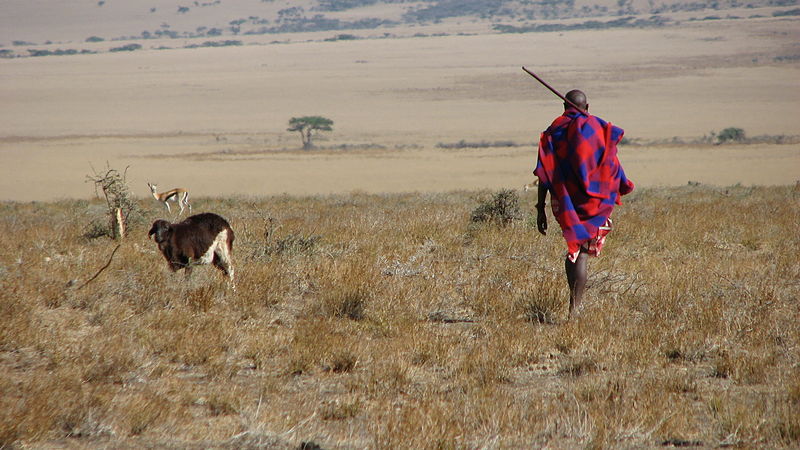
(578, 165)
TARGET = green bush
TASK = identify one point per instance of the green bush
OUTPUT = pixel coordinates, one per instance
(226, 43)
(791, 12)
(126, 48)
(58, 52)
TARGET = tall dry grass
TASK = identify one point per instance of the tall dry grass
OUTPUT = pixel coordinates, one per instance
(395, 321)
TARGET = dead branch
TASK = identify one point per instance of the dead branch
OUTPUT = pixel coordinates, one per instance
(101, 269)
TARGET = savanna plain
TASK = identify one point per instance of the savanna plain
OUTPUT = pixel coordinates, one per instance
(392, 290)
(395, 321)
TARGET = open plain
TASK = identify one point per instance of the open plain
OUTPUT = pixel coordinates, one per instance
(215, 119)
(373, 309)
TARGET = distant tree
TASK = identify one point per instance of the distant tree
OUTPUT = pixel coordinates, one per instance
(731, 134)
(306, 125)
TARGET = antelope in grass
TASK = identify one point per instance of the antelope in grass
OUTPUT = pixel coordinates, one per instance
(179, 195)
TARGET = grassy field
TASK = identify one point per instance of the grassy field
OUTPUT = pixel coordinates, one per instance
(391, 321)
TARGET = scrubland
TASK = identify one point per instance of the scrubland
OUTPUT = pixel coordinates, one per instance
(388, 321)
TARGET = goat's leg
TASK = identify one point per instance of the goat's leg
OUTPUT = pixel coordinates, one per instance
(222, 262)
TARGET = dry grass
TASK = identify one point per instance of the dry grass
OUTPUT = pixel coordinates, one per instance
(393, 321)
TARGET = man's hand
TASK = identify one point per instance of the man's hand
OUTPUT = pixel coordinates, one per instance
(541, 220)
(541, 216)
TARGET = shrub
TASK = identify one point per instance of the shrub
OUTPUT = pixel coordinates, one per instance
(126, 48)
(94, 39)
(57, 52)
(342, 5)
(502, 208)
(482, 144)
(342, 37)
(731, 134)
(225, 43)
(98, 228)
(791, 12)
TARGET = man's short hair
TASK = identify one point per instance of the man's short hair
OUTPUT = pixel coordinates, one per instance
(578, 98)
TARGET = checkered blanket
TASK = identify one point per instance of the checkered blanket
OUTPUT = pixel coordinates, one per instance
(578, 164)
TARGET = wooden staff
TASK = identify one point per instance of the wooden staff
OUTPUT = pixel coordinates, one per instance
(567, 101)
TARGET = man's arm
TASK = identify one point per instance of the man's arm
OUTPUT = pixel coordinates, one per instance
(541, 215)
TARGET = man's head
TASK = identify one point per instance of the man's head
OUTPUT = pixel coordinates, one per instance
(578, 98)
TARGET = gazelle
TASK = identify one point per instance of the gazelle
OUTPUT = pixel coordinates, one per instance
(179, 195)
(531, 185)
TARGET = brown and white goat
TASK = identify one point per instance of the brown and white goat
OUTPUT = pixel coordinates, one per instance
(200, 239)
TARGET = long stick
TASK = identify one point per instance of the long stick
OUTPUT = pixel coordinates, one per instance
(567, 101)
(101, 270)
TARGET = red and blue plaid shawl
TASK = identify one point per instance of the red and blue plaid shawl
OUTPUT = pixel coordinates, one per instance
(578, 164)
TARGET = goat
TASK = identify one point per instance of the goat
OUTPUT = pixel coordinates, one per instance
(200, 239)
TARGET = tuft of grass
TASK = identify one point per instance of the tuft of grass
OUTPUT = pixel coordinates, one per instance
(578, 366)
(200, 299)
(541, 305)
(345, 302)
(144, 411)
(340, 410)
(347, 292)
(341, 361)
(223, 404)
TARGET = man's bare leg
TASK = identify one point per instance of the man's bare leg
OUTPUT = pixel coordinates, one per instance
(576, 278)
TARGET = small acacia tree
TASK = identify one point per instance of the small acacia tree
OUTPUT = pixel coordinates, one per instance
(121, 205)
(731, 134)
(306, 125)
